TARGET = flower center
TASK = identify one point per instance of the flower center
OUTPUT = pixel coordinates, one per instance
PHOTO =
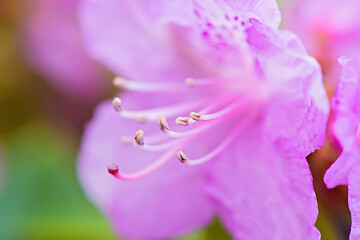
(227, 102)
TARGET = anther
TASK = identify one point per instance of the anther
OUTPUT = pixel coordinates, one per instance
(141, 118)
(118, 82)
(190, 82)
(117, 104)
(113, 169)
(139, 138)
(184, 121)
(195, 116)
(162, 123)
(181, 156)
(126, 139)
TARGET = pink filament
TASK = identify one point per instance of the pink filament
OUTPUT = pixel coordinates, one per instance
(153, 114)
(228, 140)
(149, 169)
(149, 86)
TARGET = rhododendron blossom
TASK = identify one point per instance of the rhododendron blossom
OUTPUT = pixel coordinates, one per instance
(217, 86)
(53, 47)
(346, 123)
(328, 28)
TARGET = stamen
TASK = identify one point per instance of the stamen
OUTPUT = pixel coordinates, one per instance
(193, 82)
(207, 108)
(121, 83)
(139, 138)
(199, 129)
(181, 156)
(163, 124)
(117, 104)
(184, 121)
(141, 119)
(217, 103)
(221, 113)
(191, 132)
(126, 139)
(156, 137)
(153, 114)
(195, 116)
(227, 141)
(114, 169)
(161, 147)
(190, 82)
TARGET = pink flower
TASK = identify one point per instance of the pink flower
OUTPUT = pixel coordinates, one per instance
(346, 108)
(53, 47)
(328, 28)
(251, 109)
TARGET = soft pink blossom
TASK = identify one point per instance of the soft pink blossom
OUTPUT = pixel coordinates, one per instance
(53, 47)
(346, 122)
(328, 28)
(249, 106)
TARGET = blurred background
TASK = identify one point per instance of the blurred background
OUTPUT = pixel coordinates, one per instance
(48, 89)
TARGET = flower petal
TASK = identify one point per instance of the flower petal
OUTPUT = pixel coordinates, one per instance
(54, 47)
(167, 203)
(339, 171)
(262, 193)
(127, 37)
(345, 102)
(354, 204)
(182, 38)
(346, 113)
(328, 29)
(266, 11)
(298, 124)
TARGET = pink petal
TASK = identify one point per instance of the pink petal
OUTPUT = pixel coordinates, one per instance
(165, 204)
(339, 171)
(298, 108)
(266, 11)
(53, 46)
(332, 18)
(179, 39)
(345, 103)
(126, 36)
(354, 204)
(328, 28)
(262, 193)
(346, 121)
